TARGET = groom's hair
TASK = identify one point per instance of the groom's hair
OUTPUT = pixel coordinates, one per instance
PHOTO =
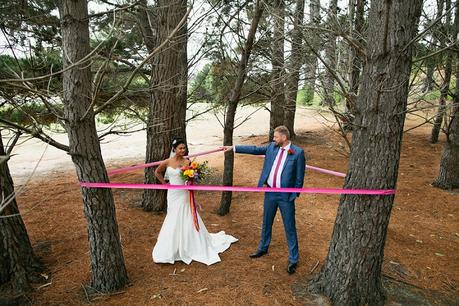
(283, 130)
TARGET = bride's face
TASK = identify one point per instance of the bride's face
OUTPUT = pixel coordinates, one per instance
(180, 150)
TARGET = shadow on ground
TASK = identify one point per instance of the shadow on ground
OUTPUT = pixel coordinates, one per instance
(398, 294)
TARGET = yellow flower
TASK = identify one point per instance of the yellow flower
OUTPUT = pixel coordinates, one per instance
(189, 173)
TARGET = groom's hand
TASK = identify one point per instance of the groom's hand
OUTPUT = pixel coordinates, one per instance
(226, 148)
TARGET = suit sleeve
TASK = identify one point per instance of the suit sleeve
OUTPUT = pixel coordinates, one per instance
(300, 169)
(254, 150)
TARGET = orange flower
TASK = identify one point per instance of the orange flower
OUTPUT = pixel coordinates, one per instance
(194, 165)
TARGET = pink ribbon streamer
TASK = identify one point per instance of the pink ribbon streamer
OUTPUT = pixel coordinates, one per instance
(240, 189)
(194, 211)
(340, 174)
(233, 188)
(322, 170)
(141, 166)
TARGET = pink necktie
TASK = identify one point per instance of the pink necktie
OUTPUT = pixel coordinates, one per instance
(277, 167)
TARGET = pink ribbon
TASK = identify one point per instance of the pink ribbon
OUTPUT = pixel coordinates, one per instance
(194, 211)
(233, 188)
(340, 174)
(240, 189)
(322, 170)
(141, 166)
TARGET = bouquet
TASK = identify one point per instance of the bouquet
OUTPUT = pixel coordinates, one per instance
(195, 172)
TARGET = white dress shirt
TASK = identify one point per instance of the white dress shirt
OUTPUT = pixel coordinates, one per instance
(281, 167)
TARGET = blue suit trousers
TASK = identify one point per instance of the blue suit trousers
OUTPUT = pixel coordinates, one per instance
(274, 200)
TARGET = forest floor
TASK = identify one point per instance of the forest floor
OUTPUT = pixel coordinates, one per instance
(422, 249)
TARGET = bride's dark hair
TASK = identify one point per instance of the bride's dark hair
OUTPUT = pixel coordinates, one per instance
(176, 142)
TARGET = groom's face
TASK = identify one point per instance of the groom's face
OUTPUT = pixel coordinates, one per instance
(279, 138)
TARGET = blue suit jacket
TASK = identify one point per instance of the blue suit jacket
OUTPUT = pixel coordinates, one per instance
(292, 173)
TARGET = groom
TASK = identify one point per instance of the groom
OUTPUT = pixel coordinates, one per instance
(283, 167)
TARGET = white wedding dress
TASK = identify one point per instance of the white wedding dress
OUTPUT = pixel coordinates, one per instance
(178, 238)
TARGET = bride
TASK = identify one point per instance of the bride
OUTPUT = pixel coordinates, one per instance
(178, 238)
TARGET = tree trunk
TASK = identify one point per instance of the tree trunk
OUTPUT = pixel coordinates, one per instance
(277, 74)
(429, 81)
(448, 178)
(182, 93)
(330, 55)
(145, 21)
(431, 62)
(294, 73)
(351, 19)
(441, 112)
(18, 264)
(225, 202)
(167, 112)
(355, 60)
(311, 58)
(108, 272)
(351, 274)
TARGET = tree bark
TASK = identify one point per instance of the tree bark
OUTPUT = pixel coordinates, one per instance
(294, 73)
(429, 81)
(355, 60)
(225, 202)
(277, 73)
(167, 111)
(108, 272)
(441, 112)
(351, 274)
(311, 58)
(18, 264)
(448, 177)
(330, 56)
(146, 22)
(432, 61)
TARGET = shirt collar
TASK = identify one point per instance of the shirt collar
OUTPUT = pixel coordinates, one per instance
(287, 147)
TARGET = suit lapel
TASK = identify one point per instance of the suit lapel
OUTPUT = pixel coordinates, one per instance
(273, 158)
(289, 157)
